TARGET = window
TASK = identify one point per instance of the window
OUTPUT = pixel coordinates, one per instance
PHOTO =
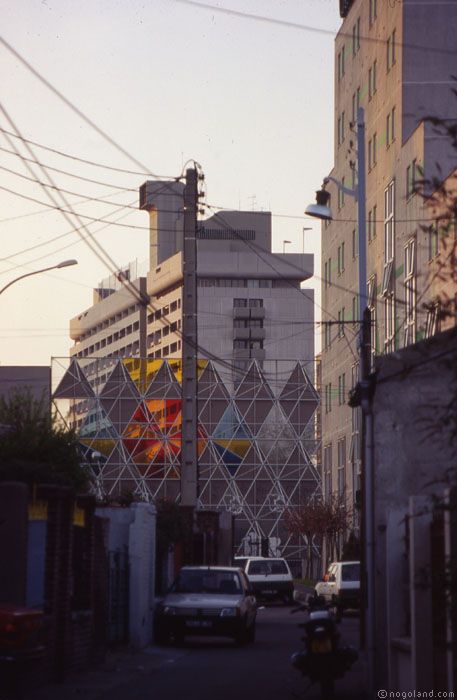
(341, 193)
(327, 471)
(327, 336)
(255, 303)
(341, 128)
(329, 272)
(389, 222)
(341, 259)
(433, 241)
(341, 449)
(389, 319)
(372, 152)
(390, 51)
(356, 37)
(373, 11)
(341, 315)
(372, 223)
(372, 81)
(355, 105)
(354, 244)
(433, 320)
(328, 398)
(390, 127)
(342, 389)
(326, 274)
(410, 292)
(240, 303)
(411, 183)
(341, 60)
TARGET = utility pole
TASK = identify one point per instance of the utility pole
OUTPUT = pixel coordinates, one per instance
(189, 457)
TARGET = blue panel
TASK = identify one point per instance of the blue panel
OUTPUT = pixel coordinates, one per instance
(36, 562)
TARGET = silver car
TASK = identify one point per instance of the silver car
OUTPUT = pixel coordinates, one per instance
(207, 600)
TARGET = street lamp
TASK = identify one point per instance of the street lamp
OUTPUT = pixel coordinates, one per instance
(284, 243)
(321, 210)
(65, 263)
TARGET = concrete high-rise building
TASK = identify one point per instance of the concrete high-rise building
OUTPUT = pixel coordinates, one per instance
(396, 60)
(256, 400)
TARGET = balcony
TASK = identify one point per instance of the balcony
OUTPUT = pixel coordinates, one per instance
(245, 312)
(249, 333)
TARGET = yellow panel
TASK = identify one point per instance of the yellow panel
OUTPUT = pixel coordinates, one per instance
(152, 367)
(79, 517)
(38, 510)
(103, 445)
(176, 368)
(238, 447)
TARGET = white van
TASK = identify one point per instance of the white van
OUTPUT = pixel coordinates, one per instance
(270, 578)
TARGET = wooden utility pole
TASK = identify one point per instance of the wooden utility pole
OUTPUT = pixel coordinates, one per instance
(189, 456)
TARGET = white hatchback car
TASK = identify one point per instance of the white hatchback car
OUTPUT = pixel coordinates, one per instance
(207, 600)
(341, 585)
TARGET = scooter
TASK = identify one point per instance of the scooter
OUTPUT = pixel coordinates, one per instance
(323, 661)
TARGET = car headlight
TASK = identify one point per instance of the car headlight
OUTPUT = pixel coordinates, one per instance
(230, 612)
(170, 610)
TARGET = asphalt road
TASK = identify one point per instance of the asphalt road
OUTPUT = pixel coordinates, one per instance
(215, 669)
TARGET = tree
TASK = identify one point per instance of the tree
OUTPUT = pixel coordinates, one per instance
(327, 519)
(34, 448)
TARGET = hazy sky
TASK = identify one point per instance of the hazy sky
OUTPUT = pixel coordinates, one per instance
(251, 101)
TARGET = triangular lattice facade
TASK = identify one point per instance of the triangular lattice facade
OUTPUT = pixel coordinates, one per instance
(256, 439)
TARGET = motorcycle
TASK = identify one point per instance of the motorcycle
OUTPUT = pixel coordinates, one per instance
(323, 661)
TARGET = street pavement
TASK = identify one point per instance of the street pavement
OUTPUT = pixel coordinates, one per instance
(213, 669)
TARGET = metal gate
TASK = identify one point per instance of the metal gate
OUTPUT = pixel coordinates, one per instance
(118, 597)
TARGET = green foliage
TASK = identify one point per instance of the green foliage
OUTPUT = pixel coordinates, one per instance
(34, 448)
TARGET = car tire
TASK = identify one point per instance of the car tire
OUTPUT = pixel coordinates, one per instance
(289, 599)
(251, 633)
(242, 636)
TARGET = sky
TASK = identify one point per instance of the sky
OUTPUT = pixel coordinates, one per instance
(168, 81)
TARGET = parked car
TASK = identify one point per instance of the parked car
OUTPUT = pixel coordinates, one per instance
(270, 578)
(341, 585)
(207, 600)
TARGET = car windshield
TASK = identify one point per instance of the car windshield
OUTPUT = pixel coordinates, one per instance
(350, 572)
(207, 581)
(268, 567)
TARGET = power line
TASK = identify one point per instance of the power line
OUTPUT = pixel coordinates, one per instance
(82, 160)
(308, 27)
(65, 172)
(56, 238)
(87, 198)
(68, 210)
(75, 109)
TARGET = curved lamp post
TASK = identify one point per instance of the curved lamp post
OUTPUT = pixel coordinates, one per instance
(65, 263)
(321, 210)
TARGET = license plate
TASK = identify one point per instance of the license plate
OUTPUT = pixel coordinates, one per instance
(269, 592)
(198, 623)
(321, 646)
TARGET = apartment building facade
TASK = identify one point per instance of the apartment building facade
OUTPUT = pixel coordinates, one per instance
(396, 61)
